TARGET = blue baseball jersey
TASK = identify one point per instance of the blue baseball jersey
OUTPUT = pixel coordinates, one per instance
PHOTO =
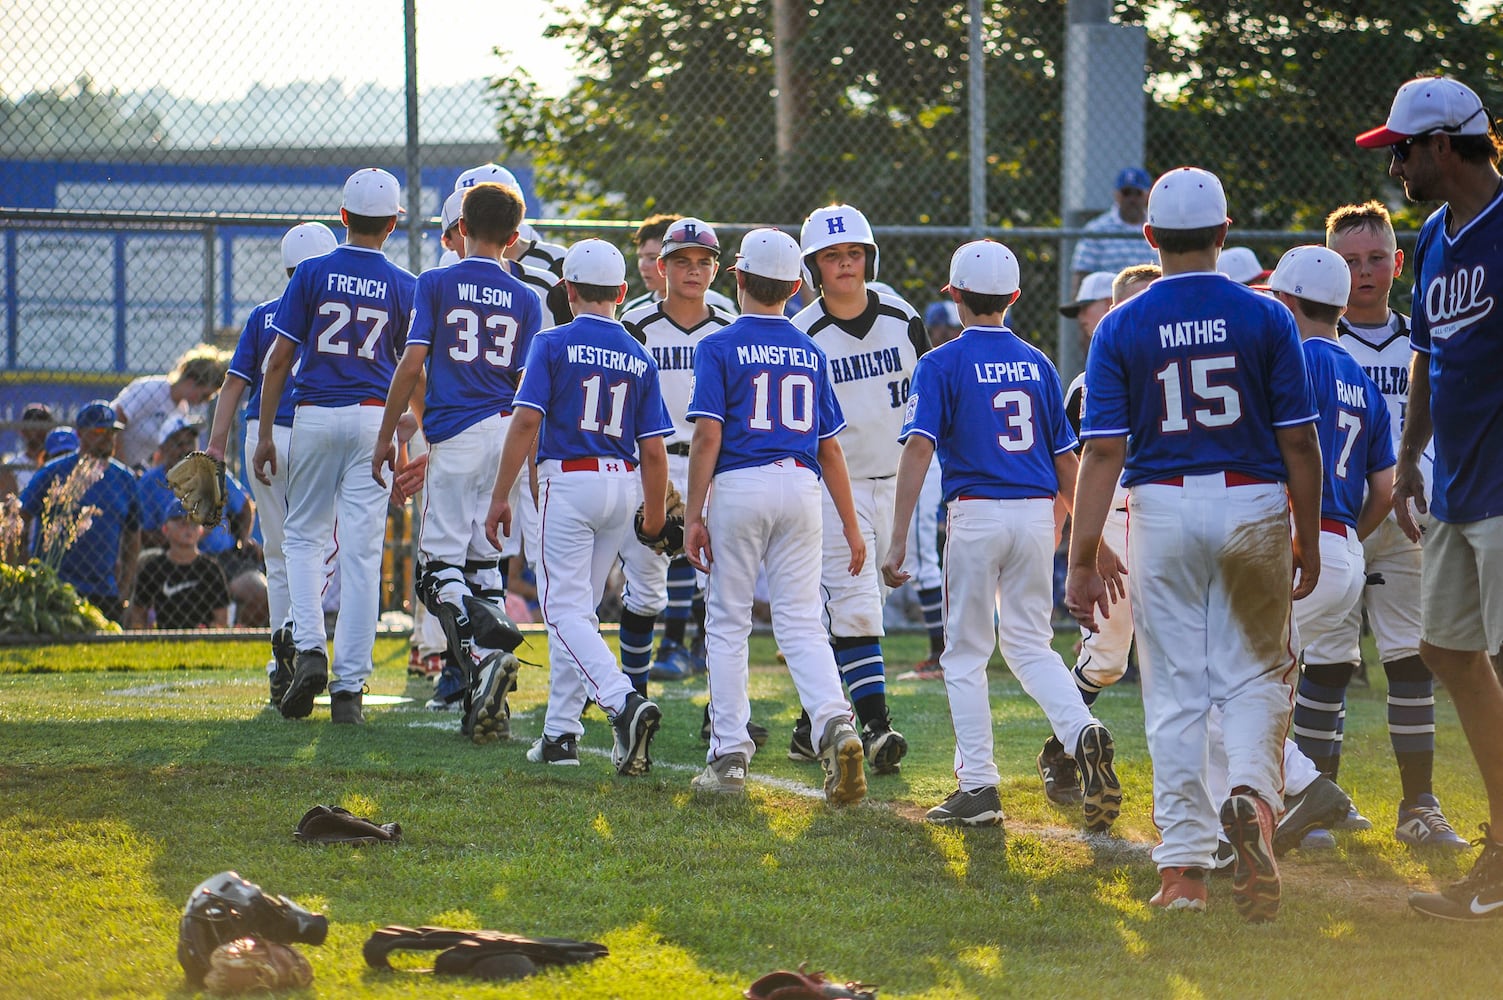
(477, 322)
(1458, 324)
(249, 362)
(597, 389)
(1354, 427)
(994, 408)
(348, 311)
(89, 563)
(769, 386)
(1197, 372)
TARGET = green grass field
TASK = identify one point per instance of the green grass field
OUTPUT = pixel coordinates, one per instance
(132, 772)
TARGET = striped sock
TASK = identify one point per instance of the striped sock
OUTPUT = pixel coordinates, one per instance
(860, 663)
(1320, 714)
(1411, 723)
(680, 599)
(932, 601)
(636, 648)
(1088, 689)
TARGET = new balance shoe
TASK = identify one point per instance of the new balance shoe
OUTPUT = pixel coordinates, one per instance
(562, 750)
(844, 759)
(1353, 821)
(722, 776)
(1424, 825)
(757, 733)
(801, 743)
(1479, 893)
(1060, 775)
(884, 746)
(1101, 792)
(310, 675)
(977, 807)
(345, 708)
(1248, 823)
(672, 662)
(432, 666)
(488, 718)
(634, 727)
(924, 670)
(1322, 805)
(1181, 889)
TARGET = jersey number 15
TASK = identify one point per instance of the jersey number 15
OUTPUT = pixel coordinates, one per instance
(1223, 406)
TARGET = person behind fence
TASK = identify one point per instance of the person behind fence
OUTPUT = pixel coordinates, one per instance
(1128, 213)
(144, 405)
(17, 468)
(87, 511)
(179, 587)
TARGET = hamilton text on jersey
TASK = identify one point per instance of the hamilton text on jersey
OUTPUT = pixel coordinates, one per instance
(1201, 331)
(868, 365)
(673, 359)
(586, 354)
(349, 284)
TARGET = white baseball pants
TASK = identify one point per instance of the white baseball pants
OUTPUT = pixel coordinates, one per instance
(1103, 653)
(1209, 573)
(1300, 771)
(922, 557)
(1325, 631)
(583, 519)
(457, 494)
(329, 479)
(646, 572)
(766, 517)
(853, 604)
(1393, 606)
(999, 566)
(271, 510)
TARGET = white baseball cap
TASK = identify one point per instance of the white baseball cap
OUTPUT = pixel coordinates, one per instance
(305, 240)
(453, 205)
(1315, 273)
(489, 173)
(985, 267)
(1093, 288)
(1187, 198)
(594, 262)
(769, 253)
(175, 424)
(1430, 104)
(449, 257)
(526, 233)
(1241, 265)
(374, 193)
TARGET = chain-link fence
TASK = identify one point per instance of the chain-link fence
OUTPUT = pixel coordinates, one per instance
(153, 153)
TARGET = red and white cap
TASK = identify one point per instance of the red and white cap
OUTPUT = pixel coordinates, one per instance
(1429, 104)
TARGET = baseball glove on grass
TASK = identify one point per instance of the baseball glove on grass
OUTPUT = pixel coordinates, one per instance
(805, 985)
(198, 481)
(325, 825)
(252, 963)
(670, 541)
(481, 954)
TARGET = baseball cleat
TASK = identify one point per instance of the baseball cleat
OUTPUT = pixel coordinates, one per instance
(801, 743)
(1181, 889)
(1225, 858)
(283, 652)
(757, 733)
(345, 708)
(561, 750)
(722, 776)
(925, 670)
(310, 675)
(1248, 823)
(634, 727)
(1477, 896)
(1321, 805)
(1318, 839)
(672, 662)
(1424, 825)
(844, 759)
(884, 746)
(1060, 775)
(488, 718)
(1353, 821)
(977, 807)
(1101, 792)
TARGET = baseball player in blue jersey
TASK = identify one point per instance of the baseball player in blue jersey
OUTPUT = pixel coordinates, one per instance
(1445, 147)
(1199, 384)
(344, 314)
(765, 425)
(872, 341)
(309, 239)
(991, 406)
(472, 324)
(589, 399)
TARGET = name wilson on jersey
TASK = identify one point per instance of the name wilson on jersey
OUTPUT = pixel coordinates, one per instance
(872, 364)
(1190, 334)
(775, 354)
(587, 354)
(486, 296)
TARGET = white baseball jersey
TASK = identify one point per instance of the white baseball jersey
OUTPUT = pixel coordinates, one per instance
(1384, 353)
(872, 358)
(712, 297)
(546, 256)
(540, 280)
(672, 347)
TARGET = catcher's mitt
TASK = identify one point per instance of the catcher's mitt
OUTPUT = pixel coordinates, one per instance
(325, 825)
(482, 954)
(198, 481)
(670, 541)
(804, 985)
(250, 963)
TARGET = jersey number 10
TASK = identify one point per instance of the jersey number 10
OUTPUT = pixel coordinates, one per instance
(795, 402)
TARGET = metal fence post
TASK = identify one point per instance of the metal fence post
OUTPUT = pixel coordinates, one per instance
(977, 82)
(415, 214)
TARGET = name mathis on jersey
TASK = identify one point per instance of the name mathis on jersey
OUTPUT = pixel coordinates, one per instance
(1351, 395)
(673, 359)
(485, 296)
(991, 372)
(776, 354)
(870, 364)
(621, 361)
(1192, 333)
(349, 284)
(1455, 301)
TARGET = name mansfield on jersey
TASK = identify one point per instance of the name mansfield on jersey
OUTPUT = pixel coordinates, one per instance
(777, 354)
(621, 361)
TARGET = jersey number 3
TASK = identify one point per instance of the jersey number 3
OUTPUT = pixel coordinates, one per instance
(1017, 406)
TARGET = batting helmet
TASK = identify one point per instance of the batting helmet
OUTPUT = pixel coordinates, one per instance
(833, 225)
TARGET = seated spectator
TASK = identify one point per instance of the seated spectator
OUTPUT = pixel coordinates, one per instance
(146, 404)
(87, 513)
(17, 468)
(179, 585)
(60, 441)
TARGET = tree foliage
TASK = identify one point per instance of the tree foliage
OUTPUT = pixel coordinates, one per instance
(76, 119)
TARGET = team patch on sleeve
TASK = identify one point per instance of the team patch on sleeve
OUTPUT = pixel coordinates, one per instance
(911, 409)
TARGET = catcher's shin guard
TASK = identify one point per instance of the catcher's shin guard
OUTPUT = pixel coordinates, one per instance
(490, 627)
